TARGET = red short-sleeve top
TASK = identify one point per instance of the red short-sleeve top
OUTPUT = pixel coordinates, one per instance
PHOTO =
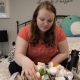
(41, 53)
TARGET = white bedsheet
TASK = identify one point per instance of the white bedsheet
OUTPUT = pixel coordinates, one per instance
(4, 72)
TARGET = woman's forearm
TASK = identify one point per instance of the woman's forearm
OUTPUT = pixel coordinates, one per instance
(18, 58)
(59, 58)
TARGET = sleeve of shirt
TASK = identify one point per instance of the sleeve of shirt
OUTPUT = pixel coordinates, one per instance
(23, 33)
(61, 34)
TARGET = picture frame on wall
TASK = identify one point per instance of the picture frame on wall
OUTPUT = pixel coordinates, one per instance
(4, 9)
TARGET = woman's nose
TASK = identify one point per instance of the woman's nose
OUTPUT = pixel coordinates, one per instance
(45, 23)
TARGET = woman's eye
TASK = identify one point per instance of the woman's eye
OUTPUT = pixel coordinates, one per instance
(50, 21)
(42, 19)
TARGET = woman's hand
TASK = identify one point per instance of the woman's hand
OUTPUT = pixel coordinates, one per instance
(29, 69)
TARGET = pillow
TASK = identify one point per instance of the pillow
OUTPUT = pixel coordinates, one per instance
(71, 26)
(11, 54)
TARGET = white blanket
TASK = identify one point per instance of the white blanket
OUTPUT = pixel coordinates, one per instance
(4, 72)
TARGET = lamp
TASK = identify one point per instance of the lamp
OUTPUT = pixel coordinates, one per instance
(3, 38)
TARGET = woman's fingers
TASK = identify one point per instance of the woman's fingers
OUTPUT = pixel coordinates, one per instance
(28, 75)
(22, 74)
(32, 73)
(35, 67)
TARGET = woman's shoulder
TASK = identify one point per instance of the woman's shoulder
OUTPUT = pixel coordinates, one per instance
(25, 32)
(60, 33)
(27, 27)
(57, 28)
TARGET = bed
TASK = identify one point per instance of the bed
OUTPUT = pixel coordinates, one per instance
(4, 72)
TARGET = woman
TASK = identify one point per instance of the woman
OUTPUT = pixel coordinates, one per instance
(41, 41)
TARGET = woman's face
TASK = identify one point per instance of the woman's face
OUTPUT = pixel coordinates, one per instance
(45, 20)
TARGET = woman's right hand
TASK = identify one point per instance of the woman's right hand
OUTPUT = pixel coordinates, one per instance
(29, 69)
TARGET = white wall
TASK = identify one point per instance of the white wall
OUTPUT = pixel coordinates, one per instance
(71, 8)
(22, 10)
